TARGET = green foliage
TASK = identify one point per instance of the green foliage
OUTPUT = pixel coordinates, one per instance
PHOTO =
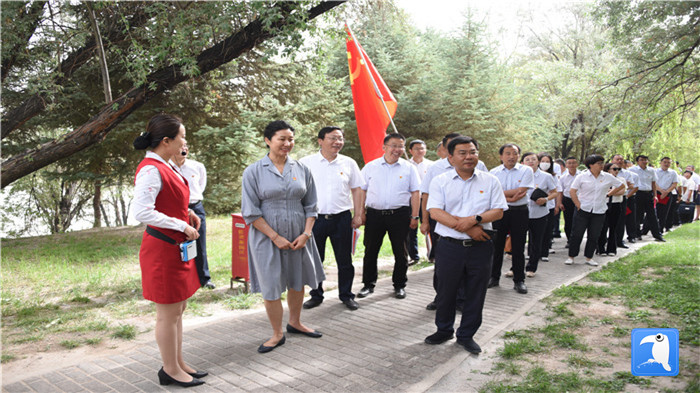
(126, 332)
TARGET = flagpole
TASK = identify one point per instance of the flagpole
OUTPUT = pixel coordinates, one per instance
(376, 87)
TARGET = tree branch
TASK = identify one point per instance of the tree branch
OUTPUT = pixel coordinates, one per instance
(33, 15)
(95, 130)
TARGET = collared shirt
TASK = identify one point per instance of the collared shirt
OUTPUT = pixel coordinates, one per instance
(389, 186)
(551, 204)
(334, 181)
(696, 179)
(196, 175)
(646, 176)
(463, 198)
(146, 188)
(519, 176)
(545, 182)
(628, 176)
(566, 180)
(438, 168)
(592, 191)
(619, 198)
(557, 170)
(422, 167)
(664, 178)
(689, 186)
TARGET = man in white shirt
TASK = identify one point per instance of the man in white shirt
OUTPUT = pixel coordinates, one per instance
(418, 149)
(391, 195)
(516, 180)
(196, 175)
(338, 181)
(464, 201)
(646, 196)
(566, 205)
(629, 177)
(696, 179)
(666, 182)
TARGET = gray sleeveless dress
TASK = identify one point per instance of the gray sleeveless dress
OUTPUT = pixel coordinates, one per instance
(284, 201)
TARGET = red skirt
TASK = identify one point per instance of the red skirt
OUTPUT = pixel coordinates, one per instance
(165, 279)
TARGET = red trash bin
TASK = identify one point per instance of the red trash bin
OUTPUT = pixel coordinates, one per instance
(239, 251)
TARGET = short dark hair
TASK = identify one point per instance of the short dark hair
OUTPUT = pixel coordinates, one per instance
(665, 158)
(636, 159)
(592, 159)
(571, 158)
(615, 155)
(162, 125)
(511, 145)
(274, 126)
(529, 153)
(560, 161)
(449, 136)
(394, 135)
(415, 142)
(327, 130)
(460, 140)
(608, 166)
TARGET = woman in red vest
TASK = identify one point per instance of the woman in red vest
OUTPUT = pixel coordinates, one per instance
(161, 196)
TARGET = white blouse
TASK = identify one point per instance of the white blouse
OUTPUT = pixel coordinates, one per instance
(147, 186)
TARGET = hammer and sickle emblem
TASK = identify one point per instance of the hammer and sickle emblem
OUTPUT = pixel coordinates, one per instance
(358, 68)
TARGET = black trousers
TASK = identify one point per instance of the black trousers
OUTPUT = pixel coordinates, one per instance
(378, 223)
(466, 268)
(338, 228)
(607, 241)
(645, 211)
(620, 227)
(585, 221)
(536, 232)
(548, 239)
(201, 260)
(413, 239)
(515, 222)
(557, 220)
(569, 210)
(663, 210)
(673, 218)
(433, 238)
(631, 219)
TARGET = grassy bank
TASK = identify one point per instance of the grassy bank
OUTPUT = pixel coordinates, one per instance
(585, 343)
(84, 288)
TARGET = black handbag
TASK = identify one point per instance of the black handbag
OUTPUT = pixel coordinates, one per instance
(538, 193)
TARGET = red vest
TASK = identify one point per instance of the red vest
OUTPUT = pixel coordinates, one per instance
(173, 198)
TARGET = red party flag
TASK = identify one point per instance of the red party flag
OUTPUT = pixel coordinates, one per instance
(371, 98)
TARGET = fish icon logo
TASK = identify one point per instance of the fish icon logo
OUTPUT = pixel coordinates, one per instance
(655, 352)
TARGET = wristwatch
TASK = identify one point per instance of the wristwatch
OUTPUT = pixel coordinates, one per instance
(307, 234)
(478, 218)
(414, 218)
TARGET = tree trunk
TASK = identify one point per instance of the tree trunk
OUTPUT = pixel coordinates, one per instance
(104, 214)
(34, 15)
(100, 54)
(95, 130)
(96, 205)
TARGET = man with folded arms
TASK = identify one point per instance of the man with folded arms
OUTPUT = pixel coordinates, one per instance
(464, 202)
(338, 181)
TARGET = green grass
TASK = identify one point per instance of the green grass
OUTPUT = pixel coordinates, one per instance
(655, 281)
(70, 344)
(126, 332)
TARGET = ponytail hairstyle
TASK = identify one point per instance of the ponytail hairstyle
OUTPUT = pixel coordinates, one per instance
(160, 126)
(543, 154)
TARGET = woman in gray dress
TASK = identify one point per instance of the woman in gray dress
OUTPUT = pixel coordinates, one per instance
(279, 202)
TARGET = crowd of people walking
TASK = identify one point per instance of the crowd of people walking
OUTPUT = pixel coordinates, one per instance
(474, 220)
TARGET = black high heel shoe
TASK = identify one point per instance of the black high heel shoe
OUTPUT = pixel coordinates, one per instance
(199, 374)
(166, 379)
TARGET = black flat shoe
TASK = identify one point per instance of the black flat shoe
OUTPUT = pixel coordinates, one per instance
(311, 303)
(166, 379)
(400, 293)
(470, 345)
(199, 374)
(365, 291)
(431, 306)
(263, 349)
(351, 304)
(438, 338)
(314, 334)
(493, 282)
(520, 287)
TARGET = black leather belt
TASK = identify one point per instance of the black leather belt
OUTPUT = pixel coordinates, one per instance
(461, 242)
(388, 212)
(333, 216)
(191, 205)
(644, 192)
(520, 207)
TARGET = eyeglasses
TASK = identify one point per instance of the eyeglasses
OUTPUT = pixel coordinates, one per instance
(336, 139)
(615, 169)
(396, 147)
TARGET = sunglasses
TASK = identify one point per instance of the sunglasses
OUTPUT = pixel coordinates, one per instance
(615, 169)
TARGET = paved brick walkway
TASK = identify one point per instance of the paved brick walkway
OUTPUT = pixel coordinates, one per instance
(377, 348)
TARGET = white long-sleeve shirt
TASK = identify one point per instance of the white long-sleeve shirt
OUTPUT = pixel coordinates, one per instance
(147, 186)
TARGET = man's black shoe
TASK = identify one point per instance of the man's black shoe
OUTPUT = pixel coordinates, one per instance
(493, 282)
(633, 240)
(413, 262)
(567, 245)
(400, 293)
(431, 306)
(313, 302)
(520, 287)
(660, 239)
(351, 304)
(438, 338)
(623, 245)
(365, 291)
(209, 285)
(470, 345)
